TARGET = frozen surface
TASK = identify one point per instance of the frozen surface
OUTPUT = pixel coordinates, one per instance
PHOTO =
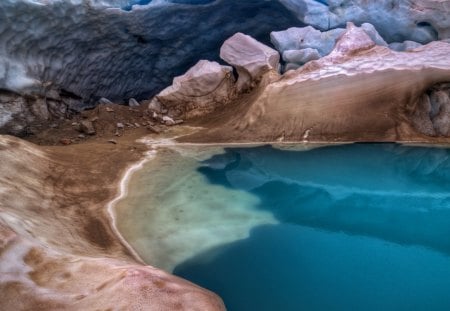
(121, 49)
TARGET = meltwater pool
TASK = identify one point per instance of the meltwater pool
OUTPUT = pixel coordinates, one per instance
(348, 227)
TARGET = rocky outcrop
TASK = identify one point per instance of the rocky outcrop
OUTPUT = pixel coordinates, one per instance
(202, 89)
(360, 91)
(430, 114)
(251, 59)
(208, 86)
(21, 115)
(301, 45)
(404, 46)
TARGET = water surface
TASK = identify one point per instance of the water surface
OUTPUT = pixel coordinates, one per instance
(352, 227)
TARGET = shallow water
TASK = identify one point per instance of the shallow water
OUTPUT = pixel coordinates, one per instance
(352, 227)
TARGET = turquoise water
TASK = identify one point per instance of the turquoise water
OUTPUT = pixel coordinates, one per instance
(353, 227)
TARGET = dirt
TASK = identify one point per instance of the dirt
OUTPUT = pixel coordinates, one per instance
(56, 233)
(110, 122)
(82, 175)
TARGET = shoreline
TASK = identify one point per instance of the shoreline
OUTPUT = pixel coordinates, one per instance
(153, 144)
(54, 212)
(122, 193)
(74, 218)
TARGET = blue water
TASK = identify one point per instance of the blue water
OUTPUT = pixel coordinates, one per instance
(362, 227)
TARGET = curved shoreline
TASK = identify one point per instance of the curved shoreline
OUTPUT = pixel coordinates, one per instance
(121, 193)
(149, 155)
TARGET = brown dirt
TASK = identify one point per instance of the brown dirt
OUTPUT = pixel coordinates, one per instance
(104, 119)
(84, 174)
(57, 195)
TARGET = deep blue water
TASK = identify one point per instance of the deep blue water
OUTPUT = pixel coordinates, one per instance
(362, 227)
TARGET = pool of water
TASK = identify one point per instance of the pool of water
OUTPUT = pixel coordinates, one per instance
(350, 227)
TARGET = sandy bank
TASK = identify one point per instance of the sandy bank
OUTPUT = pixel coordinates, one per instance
(58, 249)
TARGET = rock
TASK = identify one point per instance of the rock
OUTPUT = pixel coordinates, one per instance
(201, 90)
(439, 99)
(40, 109)
(291, 66)
(404, 46)
(13, 114)
(155, 105)
(120, 125)
(65, 141)
(112, 141)
(300, 57)
(440, 111)
(442, 124)
(109, 109)
(87, 127)
(133, 103)
(57, 109)
(155, 116)
(70, 103)
(105, 101)
(53, 94)
(19, 114)
(250, 58)
(81, 136)
(168, 120)
(301, 45)
(420, 116)
(370, 30)
(306, 38)
(353, 41)
(153, 129)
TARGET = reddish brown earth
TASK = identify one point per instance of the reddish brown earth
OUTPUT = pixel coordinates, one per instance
(58, 249)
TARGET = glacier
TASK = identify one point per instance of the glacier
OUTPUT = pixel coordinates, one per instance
(120, 49)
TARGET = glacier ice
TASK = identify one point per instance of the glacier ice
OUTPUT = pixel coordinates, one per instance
(97, 49)
(121, 49)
